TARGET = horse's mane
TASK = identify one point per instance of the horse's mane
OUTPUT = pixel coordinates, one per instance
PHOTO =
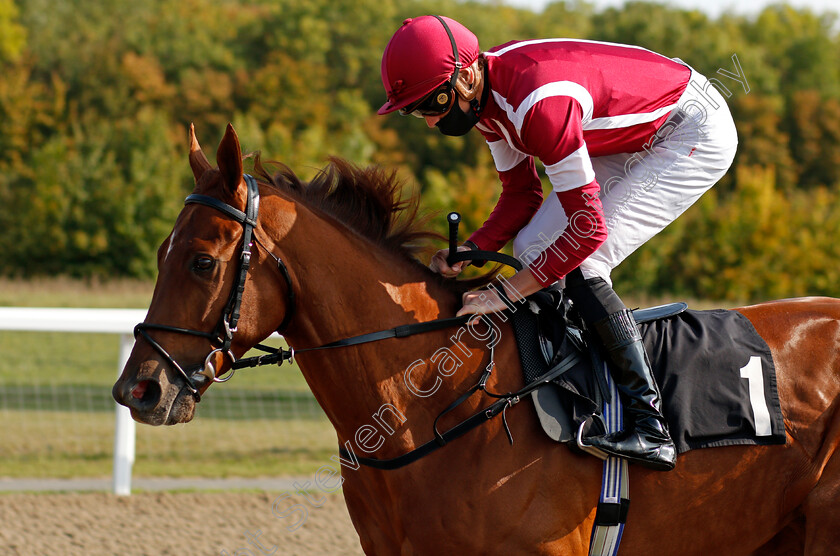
(369, 201)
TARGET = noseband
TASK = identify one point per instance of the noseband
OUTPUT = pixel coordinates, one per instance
(222, 337)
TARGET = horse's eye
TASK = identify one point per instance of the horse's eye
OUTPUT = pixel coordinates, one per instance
(203, 263)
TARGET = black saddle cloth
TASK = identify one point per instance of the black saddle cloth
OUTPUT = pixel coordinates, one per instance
(715, 373)
(717, 379)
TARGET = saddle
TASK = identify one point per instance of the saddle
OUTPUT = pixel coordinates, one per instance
(701, 360)
(714, 371)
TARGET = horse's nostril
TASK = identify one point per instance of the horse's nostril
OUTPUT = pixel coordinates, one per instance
(138, 391)
(145, 393)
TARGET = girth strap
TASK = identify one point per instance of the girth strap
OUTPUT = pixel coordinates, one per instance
(614, 501)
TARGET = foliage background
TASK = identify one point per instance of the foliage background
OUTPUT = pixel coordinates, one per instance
(96, 98)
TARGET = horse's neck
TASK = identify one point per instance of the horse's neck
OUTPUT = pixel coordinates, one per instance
(347, 287)
(352, 288)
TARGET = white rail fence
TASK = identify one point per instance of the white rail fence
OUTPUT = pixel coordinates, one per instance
(110, 321)
(107, 321)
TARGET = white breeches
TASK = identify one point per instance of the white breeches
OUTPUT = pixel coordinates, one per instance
(643, 192)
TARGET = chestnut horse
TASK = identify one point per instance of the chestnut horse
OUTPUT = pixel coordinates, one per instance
(350, 273)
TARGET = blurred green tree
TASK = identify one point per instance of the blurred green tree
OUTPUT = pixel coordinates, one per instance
(96, 97)
(12, 33)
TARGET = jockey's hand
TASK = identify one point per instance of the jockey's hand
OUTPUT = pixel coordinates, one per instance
(481, 302)
(439, 264)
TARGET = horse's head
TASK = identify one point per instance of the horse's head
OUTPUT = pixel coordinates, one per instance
(192, 331)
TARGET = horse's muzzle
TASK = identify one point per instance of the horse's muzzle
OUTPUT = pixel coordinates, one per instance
(152, 404)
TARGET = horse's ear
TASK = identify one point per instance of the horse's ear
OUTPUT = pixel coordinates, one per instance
(229, 157)
(198, 162)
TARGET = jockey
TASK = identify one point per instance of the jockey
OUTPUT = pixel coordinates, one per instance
(629, 140)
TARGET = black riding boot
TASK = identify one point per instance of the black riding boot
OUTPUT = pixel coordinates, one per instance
(645, 439)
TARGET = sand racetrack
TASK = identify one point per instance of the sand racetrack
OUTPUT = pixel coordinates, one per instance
(182, 524)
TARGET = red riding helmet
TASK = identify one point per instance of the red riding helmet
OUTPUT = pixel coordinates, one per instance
(420, 57)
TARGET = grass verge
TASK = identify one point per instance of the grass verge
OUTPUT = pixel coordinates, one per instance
(58, 415)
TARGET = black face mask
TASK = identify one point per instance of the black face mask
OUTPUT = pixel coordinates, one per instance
(457, 122)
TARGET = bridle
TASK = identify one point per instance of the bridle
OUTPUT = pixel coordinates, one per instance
(222, 336)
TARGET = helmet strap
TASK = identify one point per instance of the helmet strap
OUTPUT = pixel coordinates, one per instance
(453, 81)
